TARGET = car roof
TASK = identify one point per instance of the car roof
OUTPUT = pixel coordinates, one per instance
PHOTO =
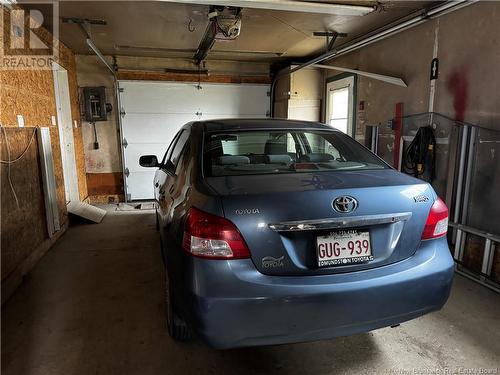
(257, 123)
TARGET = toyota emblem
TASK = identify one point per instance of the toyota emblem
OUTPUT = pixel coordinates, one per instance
(344, 204)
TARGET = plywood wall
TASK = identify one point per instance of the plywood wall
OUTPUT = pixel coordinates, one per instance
(30, 93)
(18, 240)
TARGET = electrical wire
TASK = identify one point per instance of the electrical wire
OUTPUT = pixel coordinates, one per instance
(9, 161)
(23, 153)
(419, 157)
(96, 140)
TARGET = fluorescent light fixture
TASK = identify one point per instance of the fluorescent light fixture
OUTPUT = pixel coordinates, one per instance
(288, 5)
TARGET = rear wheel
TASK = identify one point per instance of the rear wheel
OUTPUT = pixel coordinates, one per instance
(177, 327)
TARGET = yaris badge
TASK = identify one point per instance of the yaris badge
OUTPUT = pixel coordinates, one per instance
(344, 204)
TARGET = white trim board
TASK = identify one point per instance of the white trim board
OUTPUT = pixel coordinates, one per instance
(65, 126)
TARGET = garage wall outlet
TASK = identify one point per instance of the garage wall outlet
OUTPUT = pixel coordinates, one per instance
(20, 121)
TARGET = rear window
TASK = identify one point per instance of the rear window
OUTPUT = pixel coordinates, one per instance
(275, 152)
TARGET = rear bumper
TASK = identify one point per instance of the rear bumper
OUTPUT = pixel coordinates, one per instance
(242, 307)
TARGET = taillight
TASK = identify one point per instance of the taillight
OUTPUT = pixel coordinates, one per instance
(214, 237)
(437, 221)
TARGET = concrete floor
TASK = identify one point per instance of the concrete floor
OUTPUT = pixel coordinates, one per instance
(94, 305)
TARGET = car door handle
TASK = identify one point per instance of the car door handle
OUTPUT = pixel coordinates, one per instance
(171, 190)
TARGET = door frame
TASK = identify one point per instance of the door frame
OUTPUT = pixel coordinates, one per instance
(120, 113)
(351, 79)
(66, 137)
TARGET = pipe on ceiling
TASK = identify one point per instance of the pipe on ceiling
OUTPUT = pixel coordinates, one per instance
(373, 37)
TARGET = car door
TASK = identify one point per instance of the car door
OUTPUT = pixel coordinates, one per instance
(167, 178)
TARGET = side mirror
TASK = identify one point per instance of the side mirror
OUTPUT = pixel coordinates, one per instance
(149, 161)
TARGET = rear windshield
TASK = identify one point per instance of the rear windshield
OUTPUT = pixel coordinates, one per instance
(274, 152)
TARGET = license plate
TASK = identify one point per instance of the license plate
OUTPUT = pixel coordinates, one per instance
(343, 248)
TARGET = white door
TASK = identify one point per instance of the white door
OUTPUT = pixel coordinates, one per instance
(65, 126)
(153, 112)
(340, 105)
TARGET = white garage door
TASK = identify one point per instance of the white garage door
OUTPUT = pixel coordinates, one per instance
(153, 112)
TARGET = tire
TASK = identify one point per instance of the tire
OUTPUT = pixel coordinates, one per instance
(177, 327)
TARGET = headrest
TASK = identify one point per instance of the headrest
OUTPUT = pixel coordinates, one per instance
(275, 147)
(279, 159)
(233, 160)
(317, 157)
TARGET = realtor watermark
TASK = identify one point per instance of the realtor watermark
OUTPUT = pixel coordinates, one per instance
(29, 35)
(445, 371)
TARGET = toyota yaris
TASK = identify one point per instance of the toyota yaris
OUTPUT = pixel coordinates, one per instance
(276, 231)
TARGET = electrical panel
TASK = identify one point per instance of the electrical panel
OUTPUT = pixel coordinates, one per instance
(95, 104)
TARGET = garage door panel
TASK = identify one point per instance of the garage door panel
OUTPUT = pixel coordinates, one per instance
(229, 100)
(141, 127)
(135, 150)
(155, 111)
(140, 185)
(155, 97)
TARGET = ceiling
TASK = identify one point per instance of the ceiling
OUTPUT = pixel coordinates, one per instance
(164, 29)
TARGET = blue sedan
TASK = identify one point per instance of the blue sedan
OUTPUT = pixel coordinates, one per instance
(277, 231)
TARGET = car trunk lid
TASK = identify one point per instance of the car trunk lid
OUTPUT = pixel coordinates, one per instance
(282, 216)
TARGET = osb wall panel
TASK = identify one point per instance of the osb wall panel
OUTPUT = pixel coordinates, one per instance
(19, 239)
(30, 93)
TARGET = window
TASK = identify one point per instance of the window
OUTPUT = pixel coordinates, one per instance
(339, 113)
(170, 148)
(182, 159)
(176, 152)
(340, 104)
(321, 145)
(274, 152)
